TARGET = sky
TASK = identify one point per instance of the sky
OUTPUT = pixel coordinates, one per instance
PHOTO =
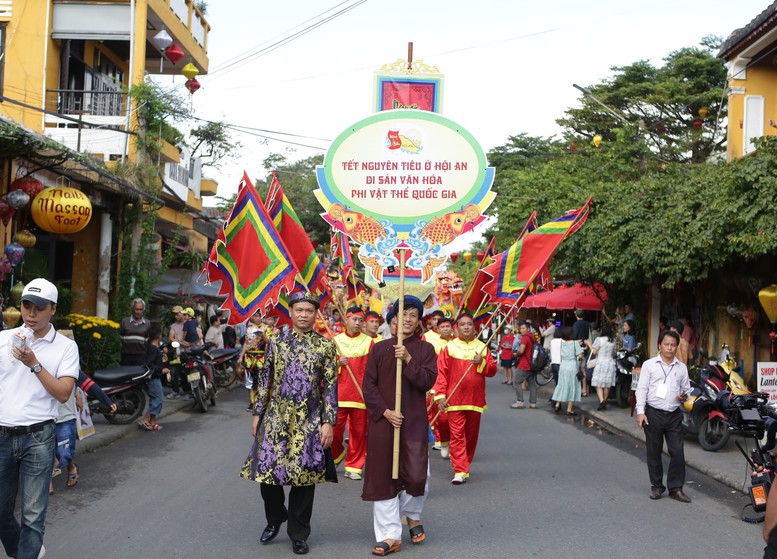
(509, 65)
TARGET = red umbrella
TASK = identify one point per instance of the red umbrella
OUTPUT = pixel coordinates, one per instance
(539, 301)
(577, 297)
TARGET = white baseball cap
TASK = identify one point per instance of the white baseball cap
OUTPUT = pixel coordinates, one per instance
(40, 292)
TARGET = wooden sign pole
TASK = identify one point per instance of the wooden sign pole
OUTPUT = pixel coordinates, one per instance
(400, 338)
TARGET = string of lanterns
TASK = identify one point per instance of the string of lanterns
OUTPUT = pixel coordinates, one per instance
(170, 50)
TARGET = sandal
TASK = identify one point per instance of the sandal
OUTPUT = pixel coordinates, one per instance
(384, 548)
(517, 405)
(72, 477)
(145, 426)
(155, 427)
(571, 413)
(417, 534)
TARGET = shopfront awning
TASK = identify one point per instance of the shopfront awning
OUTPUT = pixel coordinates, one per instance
(177, 284)
(565, 298)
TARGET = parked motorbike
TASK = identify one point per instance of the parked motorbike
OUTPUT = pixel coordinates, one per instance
(225, 363)
(125, 386)
(702, 419)
(735, 407)
(197, 375)
(707, 422)
(625, 361)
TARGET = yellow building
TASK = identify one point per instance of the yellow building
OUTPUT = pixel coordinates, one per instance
(65, 68)
(752, 74)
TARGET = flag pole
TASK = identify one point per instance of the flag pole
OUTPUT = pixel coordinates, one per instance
(400, 339)
(325, 322)
(520, 299)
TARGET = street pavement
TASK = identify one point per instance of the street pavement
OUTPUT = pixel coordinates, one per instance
(542, 485)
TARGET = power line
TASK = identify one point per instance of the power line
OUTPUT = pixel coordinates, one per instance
(233, 65)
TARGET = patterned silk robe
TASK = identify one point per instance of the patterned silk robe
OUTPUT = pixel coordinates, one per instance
(296, 394)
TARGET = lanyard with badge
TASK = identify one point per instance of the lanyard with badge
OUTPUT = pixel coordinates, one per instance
(662, 388)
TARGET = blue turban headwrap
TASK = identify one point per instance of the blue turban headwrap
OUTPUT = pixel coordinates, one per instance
(411, 302)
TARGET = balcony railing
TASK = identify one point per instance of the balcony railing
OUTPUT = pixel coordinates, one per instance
(87, 102)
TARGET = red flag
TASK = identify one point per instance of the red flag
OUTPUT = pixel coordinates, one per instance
(249, 258)
(516, 268)
(292, 232)
(474, 295)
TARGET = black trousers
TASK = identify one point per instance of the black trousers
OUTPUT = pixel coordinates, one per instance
(770, 551)
(665, 425)
(298, 513)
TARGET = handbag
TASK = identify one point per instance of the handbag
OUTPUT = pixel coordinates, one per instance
(580, 375)
(591, 363)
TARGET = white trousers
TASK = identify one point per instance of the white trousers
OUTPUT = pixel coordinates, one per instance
(387, 515)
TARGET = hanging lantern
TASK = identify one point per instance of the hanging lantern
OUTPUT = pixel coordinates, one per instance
(174, 54)
(355, 251)
(768, 298)
(190, 71)
(703, 112)
(11, 317)
(62, 210)
(480, 255)
(697, 124)
(28, 184)
(597, 140)
(467, 256)
(17, 199)
(660, 128)
(16, 291)
(454, 257)
(162, 40)
(15, 253)
(6, 212)
(5, 268)
(192, 85)
(25, 238)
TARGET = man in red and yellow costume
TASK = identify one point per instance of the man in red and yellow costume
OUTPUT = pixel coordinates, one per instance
(468, 358)
(353, 347)
(439, 339)
(372, 322)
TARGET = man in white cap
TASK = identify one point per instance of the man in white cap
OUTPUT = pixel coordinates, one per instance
(38, 369)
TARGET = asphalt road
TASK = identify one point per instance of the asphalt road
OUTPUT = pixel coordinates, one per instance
(541, 486)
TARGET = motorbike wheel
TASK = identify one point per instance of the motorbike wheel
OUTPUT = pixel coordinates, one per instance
(225, 376)
(623, 394)
(544, 376)
(212, 394)
(131, 404)
(713, 434)
(199, 398)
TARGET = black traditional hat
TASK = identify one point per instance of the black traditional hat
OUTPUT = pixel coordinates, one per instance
(303, 297)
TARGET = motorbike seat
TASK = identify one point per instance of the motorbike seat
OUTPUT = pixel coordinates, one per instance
(117, 375)
(718, 372)
(219, 353)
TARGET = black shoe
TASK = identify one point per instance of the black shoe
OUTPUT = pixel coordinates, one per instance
(602, 405)
(270, 532)
(300, 547)
(679, 496)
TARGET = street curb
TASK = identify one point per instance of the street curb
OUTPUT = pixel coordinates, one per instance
(108, 434)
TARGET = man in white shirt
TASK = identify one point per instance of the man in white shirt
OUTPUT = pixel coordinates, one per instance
(38, 369)
(663, 385)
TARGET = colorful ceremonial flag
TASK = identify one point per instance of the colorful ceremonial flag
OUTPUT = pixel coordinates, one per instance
(520, 265)
(300, 247)
(474, 295)
(249, 258)
(341, 252)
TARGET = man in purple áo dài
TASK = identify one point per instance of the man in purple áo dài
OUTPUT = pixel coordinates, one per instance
(293, 419)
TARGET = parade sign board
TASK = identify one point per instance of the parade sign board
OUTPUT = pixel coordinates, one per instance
(404, 179)
(767, 379)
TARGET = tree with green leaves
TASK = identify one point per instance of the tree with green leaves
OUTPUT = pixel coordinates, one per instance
(678, 108)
